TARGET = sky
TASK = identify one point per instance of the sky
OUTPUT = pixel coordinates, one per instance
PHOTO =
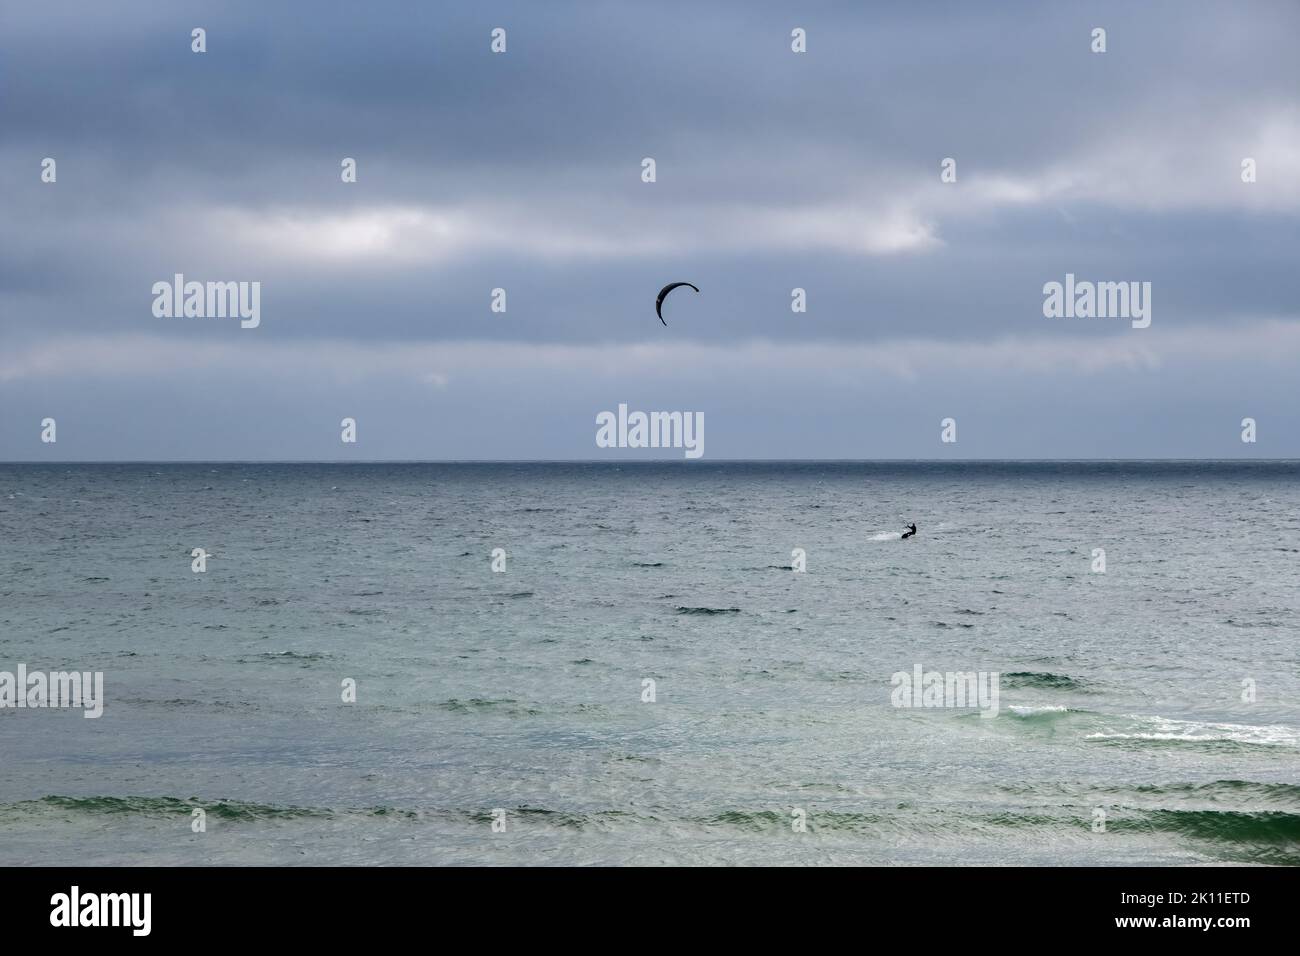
(775, 170)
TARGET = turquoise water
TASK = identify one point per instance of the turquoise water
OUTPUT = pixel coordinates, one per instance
(1120, 692)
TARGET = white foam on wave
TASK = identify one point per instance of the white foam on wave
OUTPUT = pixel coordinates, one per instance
(1166, 728)
(1021, 710)
(887, 536)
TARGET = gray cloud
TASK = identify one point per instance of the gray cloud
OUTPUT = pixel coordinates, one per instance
(522, 171)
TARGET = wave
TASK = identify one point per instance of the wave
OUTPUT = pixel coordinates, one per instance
(239, 811)
(282, 656)
(707, 610)
(1043, 711)
(1266, 837)
(1042, 679)
(1262, 829)
(1245, 794)
(180, 703)
(476, 705)
(1251, 836)
(1169, 731)
(163, 806)
(757, 821)
(1236, 788)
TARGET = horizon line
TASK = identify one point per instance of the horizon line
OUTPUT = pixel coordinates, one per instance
(632, 461)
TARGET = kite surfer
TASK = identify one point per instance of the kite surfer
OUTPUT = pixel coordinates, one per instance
(911, 530)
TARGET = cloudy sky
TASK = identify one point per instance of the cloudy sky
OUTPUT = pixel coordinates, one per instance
(522, 171)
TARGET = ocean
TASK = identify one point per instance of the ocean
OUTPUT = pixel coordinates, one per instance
(648, 680)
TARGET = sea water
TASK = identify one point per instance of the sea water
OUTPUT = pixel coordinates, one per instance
(648, 680)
